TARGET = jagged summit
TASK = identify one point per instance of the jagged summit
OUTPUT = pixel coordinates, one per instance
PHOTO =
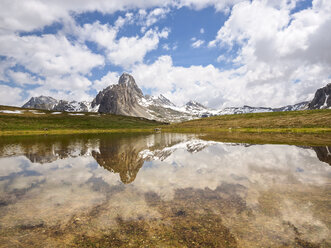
(126, 78)
(121, 98)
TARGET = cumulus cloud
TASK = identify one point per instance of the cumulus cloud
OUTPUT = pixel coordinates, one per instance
(10, 95)
(23, 78)
(124, 51)
(17, 15)
(287, 48)
(49, 54)
(51, 61)
(130, 50)
(205, 84)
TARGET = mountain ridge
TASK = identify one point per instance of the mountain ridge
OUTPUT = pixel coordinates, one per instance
(126, 98)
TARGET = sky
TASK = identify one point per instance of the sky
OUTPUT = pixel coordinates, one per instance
(267, 53)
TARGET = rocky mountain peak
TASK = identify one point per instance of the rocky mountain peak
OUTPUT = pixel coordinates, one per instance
(195, 104)
(41, 102)
(126, 78)
(121, 98)
(322, 99)
(127, 81)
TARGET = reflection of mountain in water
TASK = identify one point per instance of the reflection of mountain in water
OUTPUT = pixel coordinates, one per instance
(323, 153)
(122, 154)
(116, 153)
(122, 157)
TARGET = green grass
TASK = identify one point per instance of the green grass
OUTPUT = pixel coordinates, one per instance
(292, 121)
(308, 121)
(29, 123)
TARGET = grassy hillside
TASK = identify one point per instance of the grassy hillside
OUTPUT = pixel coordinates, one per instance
(305, 121)
(40, 120)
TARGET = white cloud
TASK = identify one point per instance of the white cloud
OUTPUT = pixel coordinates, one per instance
(130, 50)
(30, 15)
(125, 51)
(155, 15)
(286, 48)
(17, 15)
(223, 5)
(202, 31)
(49, 54)
(128, 19)
(109, 79)
(219, 88)
(10, 95)
(197, 43)
(166, 47)
(24, 78)
(5, 64)
(62, 64)
(207, 85)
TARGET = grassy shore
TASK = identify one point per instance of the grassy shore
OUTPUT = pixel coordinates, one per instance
(26, 122)
(308, 121)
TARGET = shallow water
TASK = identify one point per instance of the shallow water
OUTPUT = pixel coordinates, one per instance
(162, 190)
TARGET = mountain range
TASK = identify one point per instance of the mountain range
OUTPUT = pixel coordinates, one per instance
(126, 98)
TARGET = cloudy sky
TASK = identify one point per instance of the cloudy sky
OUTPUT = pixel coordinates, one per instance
(218, 52)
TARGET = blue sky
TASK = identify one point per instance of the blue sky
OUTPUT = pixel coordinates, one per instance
(220, 53)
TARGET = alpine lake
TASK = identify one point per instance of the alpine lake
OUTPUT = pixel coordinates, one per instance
(162, 190)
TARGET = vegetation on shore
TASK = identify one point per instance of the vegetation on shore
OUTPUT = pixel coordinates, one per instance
(43, 121)
(27, 122)
(308, 121)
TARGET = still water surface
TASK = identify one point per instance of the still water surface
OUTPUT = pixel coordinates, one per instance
(162, 190)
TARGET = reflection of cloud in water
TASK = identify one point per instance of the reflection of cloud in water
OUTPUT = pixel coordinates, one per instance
(264, 166)
(276, 186)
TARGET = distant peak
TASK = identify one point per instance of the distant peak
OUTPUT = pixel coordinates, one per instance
(194, 103)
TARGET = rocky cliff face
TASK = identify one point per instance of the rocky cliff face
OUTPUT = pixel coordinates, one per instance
(322, 99)
(41, 102)
(121, 99)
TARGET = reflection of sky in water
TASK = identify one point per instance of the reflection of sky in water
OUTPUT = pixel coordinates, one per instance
(277, 184)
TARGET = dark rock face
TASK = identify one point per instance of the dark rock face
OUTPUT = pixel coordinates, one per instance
(121, 99)
(322, 99)
(41, 102)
